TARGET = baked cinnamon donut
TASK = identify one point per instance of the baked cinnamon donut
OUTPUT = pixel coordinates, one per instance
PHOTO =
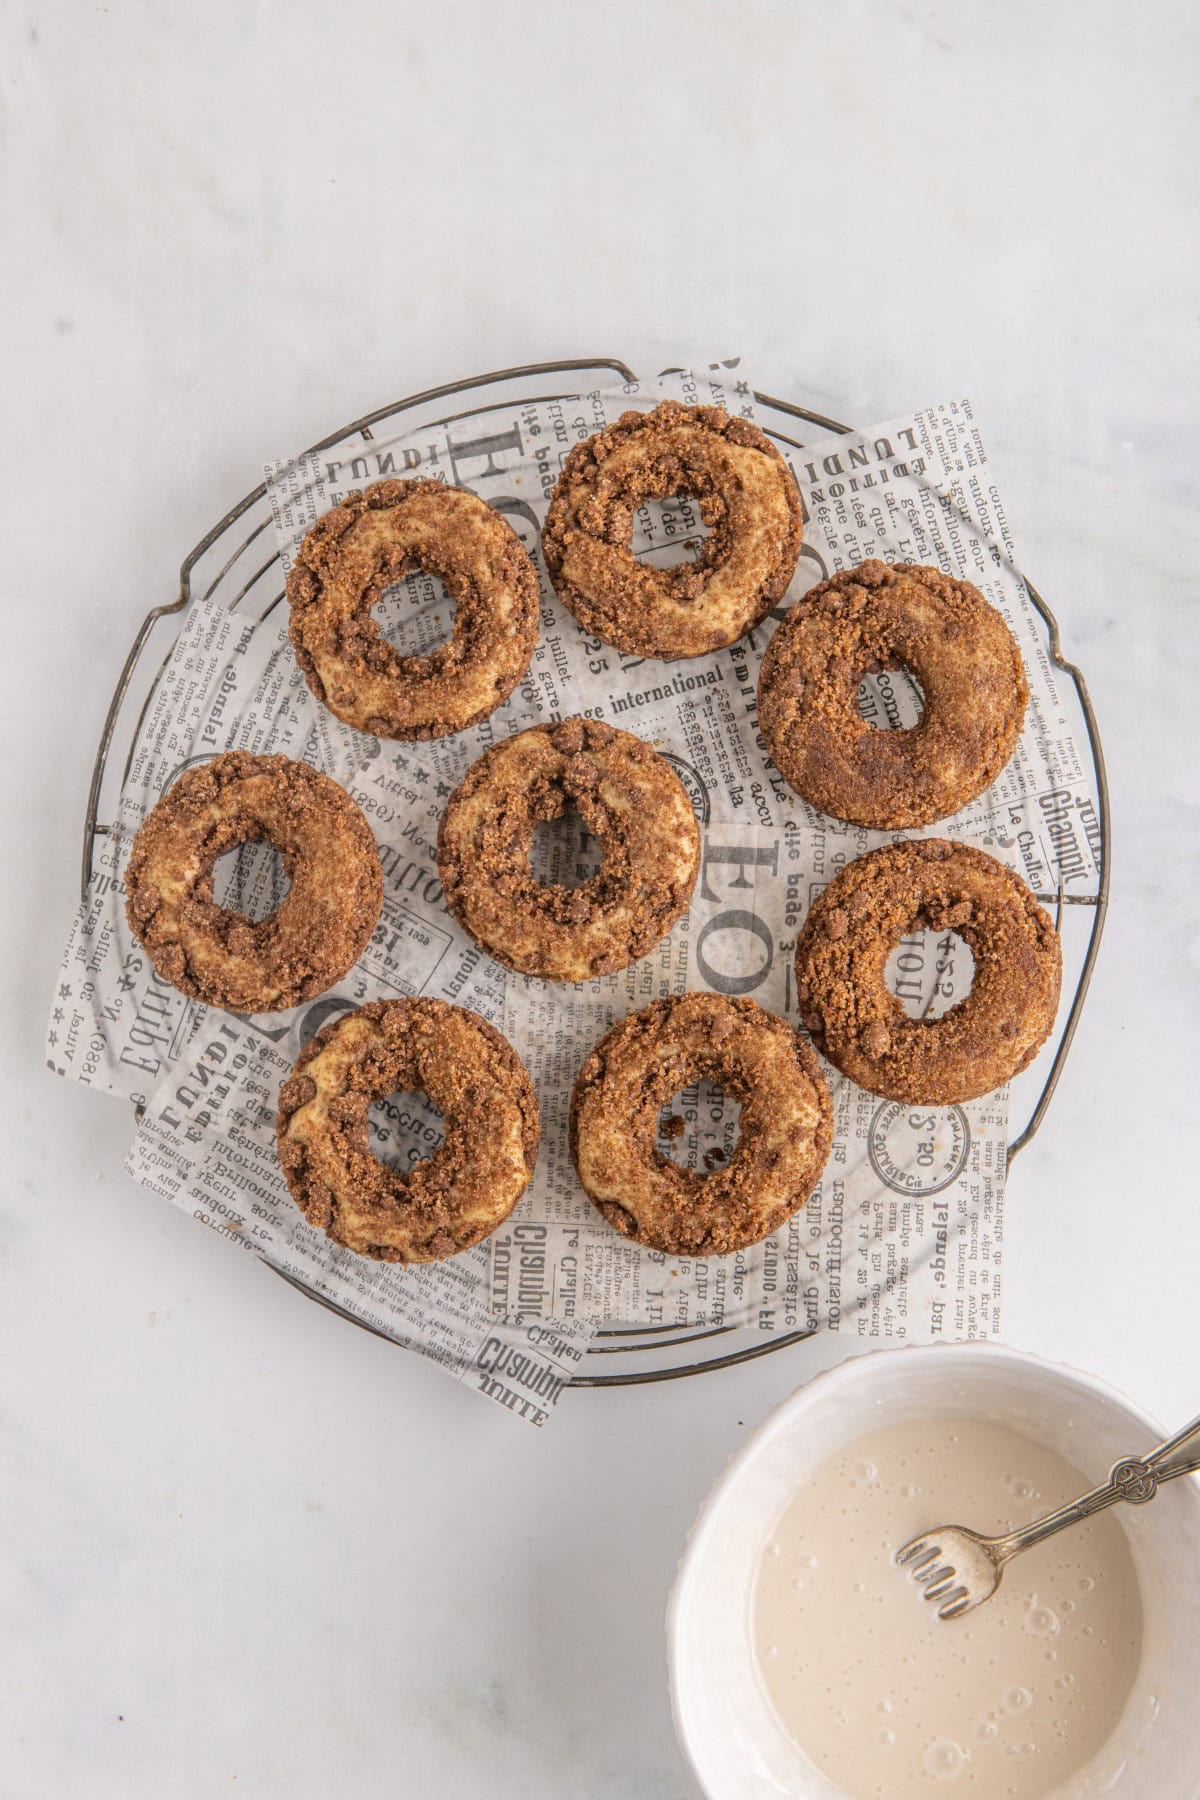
(628, 797)
(901, 616)
(983, 1041)
(453, 1198)
(747, 498)
(324, 922)
(365, 545)
(786, 1125)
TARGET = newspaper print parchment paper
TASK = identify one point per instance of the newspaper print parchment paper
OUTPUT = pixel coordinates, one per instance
(903, 1238)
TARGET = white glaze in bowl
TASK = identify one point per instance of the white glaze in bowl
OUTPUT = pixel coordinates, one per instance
(728, 1732)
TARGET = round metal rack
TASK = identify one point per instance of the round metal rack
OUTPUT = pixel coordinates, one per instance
(236, 564)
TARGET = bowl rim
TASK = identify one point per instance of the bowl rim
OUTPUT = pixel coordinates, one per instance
(853, 1369)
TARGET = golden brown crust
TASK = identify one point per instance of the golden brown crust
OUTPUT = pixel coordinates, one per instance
(879, 616)
(628, 797)
(983, 1041)
(785, 1134)
(747, 498)
(360, 548)
(325, 920)
(452, 1199)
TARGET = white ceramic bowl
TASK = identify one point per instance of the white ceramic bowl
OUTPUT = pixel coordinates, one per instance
(725, 1726)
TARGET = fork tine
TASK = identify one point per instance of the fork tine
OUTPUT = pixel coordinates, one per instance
(956, 1602)
(921, 1567)
(910, 1552)
(938, 1589)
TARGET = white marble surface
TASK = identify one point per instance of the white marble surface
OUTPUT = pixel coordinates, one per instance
(248, 1549)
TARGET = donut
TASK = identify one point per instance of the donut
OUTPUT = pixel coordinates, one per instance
(314, 936)
(786, 1126)
(448, 1201)
(747, 498)
(901, 616)
(628, 797)
(365, 545)
(984, 1040)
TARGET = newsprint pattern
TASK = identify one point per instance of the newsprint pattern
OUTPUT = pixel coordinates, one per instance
(903, 1238)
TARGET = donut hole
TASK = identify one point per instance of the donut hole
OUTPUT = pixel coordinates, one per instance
(250, 880)
(698, 1127)
(416, 614)
(404, 1128)
(563, 852)
(669, 531)
(890, 698)
(929, 972)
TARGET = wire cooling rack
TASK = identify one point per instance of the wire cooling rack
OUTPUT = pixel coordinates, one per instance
(237, 563)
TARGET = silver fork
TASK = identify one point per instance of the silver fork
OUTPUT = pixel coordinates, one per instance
(961, 1569)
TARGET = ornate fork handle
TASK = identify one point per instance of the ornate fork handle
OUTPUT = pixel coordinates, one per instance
(1132, 1479)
